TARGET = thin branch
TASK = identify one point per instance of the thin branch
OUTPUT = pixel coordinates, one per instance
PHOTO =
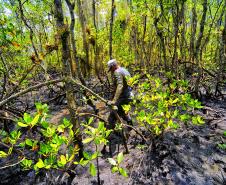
(14, 164)
(5, 118)
(28, 26)
(4, 84)
(22, 79)
(90, 114)
(207, 71)
(3, 102)
(89, 90)
(141, 135)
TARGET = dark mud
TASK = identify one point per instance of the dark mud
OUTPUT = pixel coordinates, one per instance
(187, 156)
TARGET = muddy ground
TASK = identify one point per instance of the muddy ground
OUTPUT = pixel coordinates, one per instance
(187, 156)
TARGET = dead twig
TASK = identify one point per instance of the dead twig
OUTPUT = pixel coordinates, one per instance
(4, 101)
(14, 164)
(141, 135)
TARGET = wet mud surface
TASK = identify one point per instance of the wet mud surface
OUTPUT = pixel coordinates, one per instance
(187, 156)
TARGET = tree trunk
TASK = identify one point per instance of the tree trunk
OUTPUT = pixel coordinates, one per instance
(71, 7)
(223, 47)
(202, 25)
(197, 47)
(111, 28)
(85, 30)
(176, 20)
(66, 59)
(95, 45)
(183, 43)
(193, 33)
(162, 42)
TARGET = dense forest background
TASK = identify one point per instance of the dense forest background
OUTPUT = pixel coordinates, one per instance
(56, 52)
(182, 37)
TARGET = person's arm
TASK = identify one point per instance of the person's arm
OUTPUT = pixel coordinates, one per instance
(119, 86)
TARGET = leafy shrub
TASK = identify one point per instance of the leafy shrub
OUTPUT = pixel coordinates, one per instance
(159, 107)
(43, 139)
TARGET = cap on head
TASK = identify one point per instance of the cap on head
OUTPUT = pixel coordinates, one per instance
(111, 63)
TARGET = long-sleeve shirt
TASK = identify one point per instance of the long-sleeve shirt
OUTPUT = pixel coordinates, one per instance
(120, 81)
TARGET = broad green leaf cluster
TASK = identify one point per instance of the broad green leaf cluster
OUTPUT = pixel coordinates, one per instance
(159, 107)
(43, 139)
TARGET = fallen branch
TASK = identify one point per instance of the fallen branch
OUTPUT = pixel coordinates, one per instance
(89, 90)
(212, 110)
(90, 114)
(141, 135)
(14, 164)
(11, 91)
(3, 102)
(211, 73)
(7, 118)
(221, 120)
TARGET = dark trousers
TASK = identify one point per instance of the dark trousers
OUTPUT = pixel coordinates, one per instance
(112, 117)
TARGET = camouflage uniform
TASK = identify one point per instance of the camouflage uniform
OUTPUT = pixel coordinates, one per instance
(123, 95)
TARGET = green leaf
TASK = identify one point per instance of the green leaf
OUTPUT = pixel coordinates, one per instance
(26, 163)
(47, 166)
(27, 118)
(40, 163)
(92, 169)
(175, 113)
(112, 161)
(48, 132)
(22, 124)
(45, 149)
(90, 120)
(60, 128)
(200, 120)
(35, 120)
(3, 154)
(63, 159)
(71, 158)
(83, 162)
(94, 156)
(100, 126)
(3, 133)
(185, 117)
(15, 134)
(29, 142)
(45, 124)
(87, 155)
(197, 120)
(224, 133)
(108, 133)
(66, 122)
(10, 150)
(114, 169)
(71, 133)
(22, 144)
(41, 108)
(222, 146)
(175, 101)
(126, 108)
(120, 157)
(54, 146)
(87, 140)
(76, 163)
(123, 172)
